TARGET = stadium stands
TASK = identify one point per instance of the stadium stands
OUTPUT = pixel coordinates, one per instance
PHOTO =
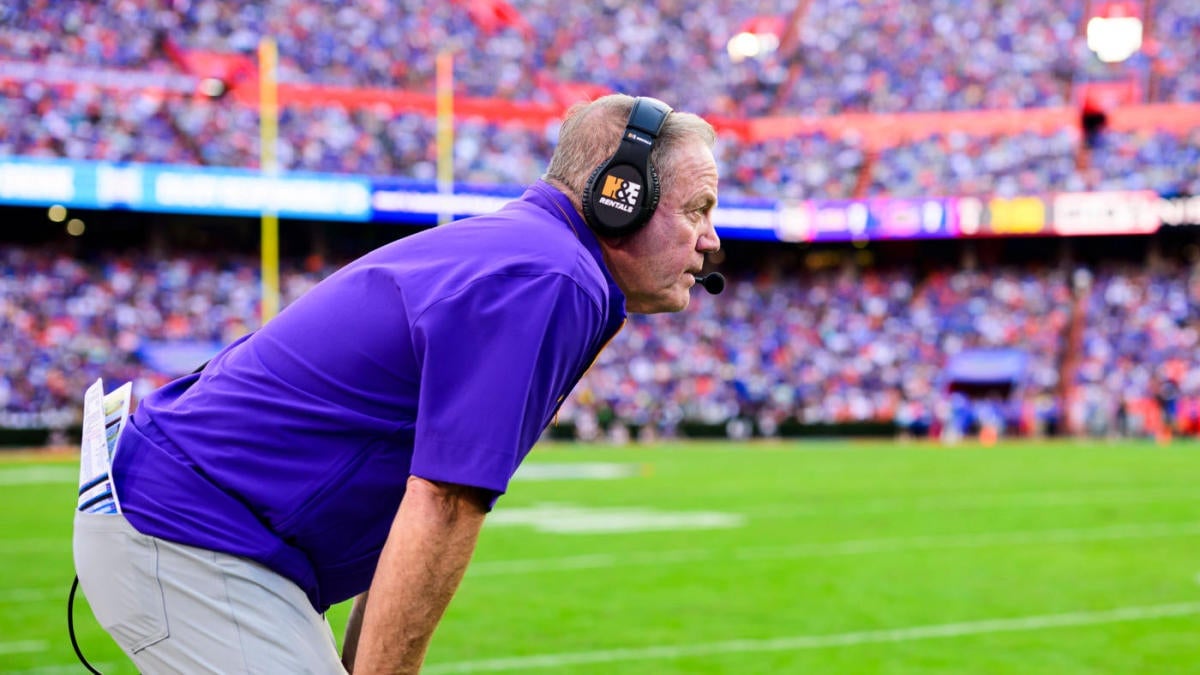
(68, 321)
(826, 349)
(944, 55)
(1141, 338)
(844, 56)
(1175, 25)
(779, 349)
(954, 56)
(1146, 160)
(959, 164)
(85, 123)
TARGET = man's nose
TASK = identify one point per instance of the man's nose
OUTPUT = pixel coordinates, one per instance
(709, 242)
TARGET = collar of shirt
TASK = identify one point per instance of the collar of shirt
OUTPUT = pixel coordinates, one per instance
(554, 201)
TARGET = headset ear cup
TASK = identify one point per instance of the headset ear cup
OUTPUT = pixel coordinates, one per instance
(645, 211)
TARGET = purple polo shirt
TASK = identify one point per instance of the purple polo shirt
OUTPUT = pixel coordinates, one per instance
(442, 355)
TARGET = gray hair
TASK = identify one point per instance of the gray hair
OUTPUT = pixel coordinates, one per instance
(591, 132)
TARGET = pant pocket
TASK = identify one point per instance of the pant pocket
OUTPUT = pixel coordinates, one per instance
(118, 571)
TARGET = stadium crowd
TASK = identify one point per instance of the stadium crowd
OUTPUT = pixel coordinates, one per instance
(957, 164)
(1176, 29)
(827, 348)
(842, 58)
(884, 57)
(1144, 160)
(778, 348)
(87, 123)
(67, 321)
(1140, 351)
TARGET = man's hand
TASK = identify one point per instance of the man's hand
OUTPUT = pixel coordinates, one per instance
(423, 561)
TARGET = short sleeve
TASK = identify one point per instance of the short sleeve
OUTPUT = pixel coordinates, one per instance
(496, 359)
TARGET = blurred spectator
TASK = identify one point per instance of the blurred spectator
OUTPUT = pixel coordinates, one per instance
(805, 167)
(68, 321)
(897, 56)
(833, 347)
(959, 164)
(1141, 336)
(1146, 160)
(1175, 28)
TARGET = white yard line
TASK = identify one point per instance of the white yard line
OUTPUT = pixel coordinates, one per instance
(488, 568)
(803, 642)
(969, 502)
(23, 646)
(1139, 531)
(974, 540)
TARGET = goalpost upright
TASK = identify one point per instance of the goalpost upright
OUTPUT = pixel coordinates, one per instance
(445, 127)
(268, 115)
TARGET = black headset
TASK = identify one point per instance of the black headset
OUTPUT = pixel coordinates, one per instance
(622, 193)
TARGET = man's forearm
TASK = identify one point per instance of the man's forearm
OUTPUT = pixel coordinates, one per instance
(427, 552)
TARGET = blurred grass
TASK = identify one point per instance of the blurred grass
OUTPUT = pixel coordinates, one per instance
(835, 538)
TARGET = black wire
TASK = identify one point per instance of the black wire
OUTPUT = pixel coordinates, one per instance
(71, 627)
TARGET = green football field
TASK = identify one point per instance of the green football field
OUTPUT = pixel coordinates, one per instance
(795, 557)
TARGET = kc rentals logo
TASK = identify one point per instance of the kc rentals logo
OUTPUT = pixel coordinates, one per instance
(617, 190)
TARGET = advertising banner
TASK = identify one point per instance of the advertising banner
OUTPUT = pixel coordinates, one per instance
(26, 181)
(178, 189)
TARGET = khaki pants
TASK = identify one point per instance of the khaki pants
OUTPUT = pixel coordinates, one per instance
(180, 609)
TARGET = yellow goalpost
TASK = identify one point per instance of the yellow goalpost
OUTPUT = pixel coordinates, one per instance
(268, 114)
